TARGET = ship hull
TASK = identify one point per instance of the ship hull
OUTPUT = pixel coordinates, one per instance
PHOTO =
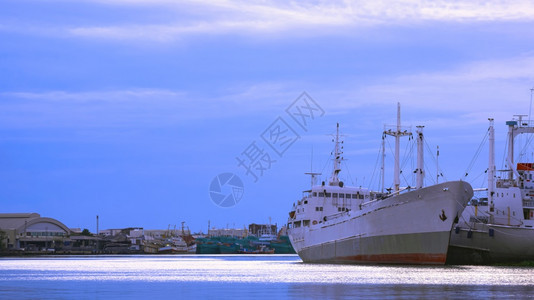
(421, 248)
(506, 244)
(410, 228)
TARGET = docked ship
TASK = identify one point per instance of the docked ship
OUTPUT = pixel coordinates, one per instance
(335, 223)
(498, 227)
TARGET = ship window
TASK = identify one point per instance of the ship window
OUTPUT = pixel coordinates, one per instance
(339, 209)
(321, 194)
(513, 213)
(334, 195)
(360, 196)
(341, 195)
(306, 223)
(315, 194)
(305, 201)
(321, 208)
(328, 195)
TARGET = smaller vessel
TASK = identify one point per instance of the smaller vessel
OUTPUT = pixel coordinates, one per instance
(282, 245)
(258, 250)
(174, 245)
(229, 248)
(499, 226)
(207, 246)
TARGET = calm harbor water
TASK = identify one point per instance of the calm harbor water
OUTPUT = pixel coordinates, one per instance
(248, 277)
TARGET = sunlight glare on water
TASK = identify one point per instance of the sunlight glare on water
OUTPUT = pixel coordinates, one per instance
(224, 271)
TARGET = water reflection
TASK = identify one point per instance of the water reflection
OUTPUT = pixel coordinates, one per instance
(403, 291)
(237, 276)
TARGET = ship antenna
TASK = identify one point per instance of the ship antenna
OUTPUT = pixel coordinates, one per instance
(312, 174)
(530, 108)
(437, 164)
(334, 180)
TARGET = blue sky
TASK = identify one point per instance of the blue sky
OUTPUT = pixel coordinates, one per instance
(127, 109)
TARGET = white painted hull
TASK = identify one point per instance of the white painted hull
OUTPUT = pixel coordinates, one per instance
(403, 229)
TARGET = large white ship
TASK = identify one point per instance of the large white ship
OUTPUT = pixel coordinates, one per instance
(334, 223)
(499, 226)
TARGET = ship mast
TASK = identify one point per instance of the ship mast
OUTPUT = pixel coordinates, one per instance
(515, 128)
(420, 158)
(383, 158)
(334, 179)
(491, 163)
(312, 174)
(398, 133)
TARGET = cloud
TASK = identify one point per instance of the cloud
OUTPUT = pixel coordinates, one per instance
(167, 21)
(457, 96)
(272, 17)
(136, 107)
(496, 86)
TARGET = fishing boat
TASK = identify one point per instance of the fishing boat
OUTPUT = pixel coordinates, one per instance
(335, 223)
(206, 246)
(282, 245)
(498, 227)
(173, 245)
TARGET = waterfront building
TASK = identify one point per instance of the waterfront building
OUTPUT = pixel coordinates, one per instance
(262, 229)
(231, 232)
(30, 230)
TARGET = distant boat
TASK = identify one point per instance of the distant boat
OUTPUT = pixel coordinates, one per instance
(282, 245)
(169, 250)
(207, 246)
(227, 248)
(248, 245)
(334, 223)
(260, 250)
(174, 245)
(499, 227)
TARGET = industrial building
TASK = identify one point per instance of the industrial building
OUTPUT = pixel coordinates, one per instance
(31, 231)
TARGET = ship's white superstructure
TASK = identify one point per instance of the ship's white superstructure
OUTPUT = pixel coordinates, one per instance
(340, 224)
(499, 227)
